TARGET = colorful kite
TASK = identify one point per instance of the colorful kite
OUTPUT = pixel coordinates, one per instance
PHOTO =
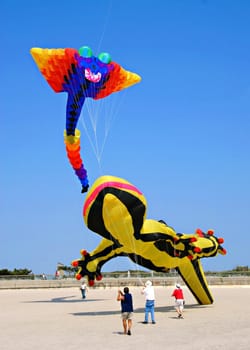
(81, 75)
(116, 210)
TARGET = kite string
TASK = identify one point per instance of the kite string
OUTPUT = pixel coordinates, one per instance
(105, 25)
(105, 112)
(110, 109)
(98, 120)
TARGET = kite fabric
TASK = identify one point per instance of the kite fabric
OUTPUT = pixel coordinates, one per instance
(80, 74)
(116, 210)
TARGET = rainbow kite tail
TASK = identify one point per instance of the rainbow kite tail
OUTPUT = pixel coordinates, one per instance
(72, 143)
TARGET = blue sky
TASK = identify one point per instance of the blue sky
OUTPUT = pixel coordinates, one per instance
(181, 135)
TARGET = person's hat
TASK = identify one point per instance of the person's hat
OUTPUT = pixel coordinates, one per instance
(148, 284)
(178, 285)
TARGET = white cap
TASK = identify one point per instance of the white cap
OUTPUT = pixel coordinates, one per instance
(178, 285)
(148, 284)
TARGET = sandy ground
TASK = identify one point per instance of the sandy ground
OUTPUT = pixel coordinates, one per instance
(59, 319)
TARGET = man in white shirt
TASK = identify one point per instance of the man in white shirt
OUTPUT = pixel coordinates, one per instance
(149, 294)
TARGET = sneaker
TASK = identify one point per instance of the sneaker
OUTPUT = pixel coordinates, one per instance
(145, 322)
(129, 333)
(153, 322)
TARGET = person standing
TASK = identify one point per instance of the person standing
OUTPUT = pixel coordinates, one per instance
(127, 309)
(179, 300)
(149, 294)
(83, 290)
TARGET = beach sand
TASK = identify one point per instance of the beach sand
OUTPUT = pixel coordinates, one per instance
(48, 319)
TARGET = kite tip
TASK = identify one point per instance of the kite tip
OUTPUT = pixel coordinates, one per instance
(84, 188)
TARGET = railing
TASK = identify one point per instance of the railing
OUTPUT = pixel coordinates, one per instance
(124, 274)
(117, 280)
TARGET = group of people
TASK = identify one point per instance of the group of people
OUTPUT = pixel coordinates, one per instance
(127, 309)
